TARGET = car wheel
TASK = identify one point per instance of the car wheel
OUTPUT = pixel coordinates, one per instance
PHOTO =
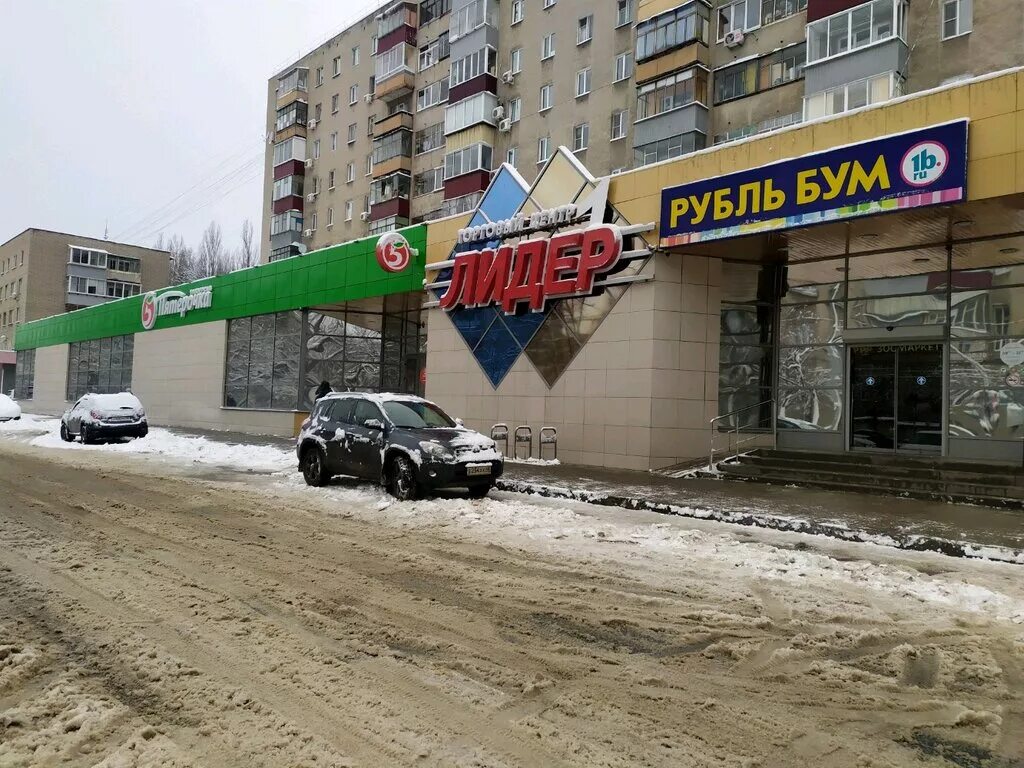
(66, 436)
(144, 431)
(83, 432)
(314, 467)
(479, 491)
(402, 479)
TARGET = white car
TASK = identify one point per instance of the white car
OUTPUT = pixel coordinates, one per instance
(9, 410)
(102, 417)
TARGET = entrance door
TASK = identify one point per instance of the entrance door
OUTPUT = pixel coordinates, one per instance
(896, 398)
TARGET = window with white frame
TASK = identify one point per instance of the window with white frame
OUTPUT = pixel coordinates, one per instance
(334, 104)
(466, 19)
(429, 181)
(858, 27)
(433, 94)
(434, 9)
(547, 48)
(546, 96)
(88, 257)
(330, 179)
(89, 286)
(350, 173)
(860, 93)
(543, 148)
(330, 217)
(468, 112)
(337, 66)
(476, 157)
(515, 61)
(290, 149)
(623, 12)
(478, 63)
(392, 61)
(428, 139)
(584, 29)
(580, 137)
(435, 51)
(316, 149)
(348, 210)
(287, 187)
(549, 3)
(369, 164)
(289, 221)
(956, 18)
(352, 128)
(517, 11)
(391, 187)
(515, 109)
(776, 10)
(738, 16)
(353, 94)
(512, 156)
(355, 56)
(620, 124)
(312, 221)
(334, 140)
(683, 25)
(319, 75)
(583, 82)
(623, 66)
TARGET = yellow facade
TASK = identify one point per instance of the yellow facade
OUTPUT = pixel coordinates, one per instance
(994, 106)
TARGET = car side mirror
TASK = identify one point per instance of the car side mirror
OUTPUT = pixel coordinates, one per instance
(374, 424)
(459, 422)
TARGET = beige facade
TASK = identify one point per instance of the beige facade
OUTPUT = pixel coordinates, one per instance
(35, 268)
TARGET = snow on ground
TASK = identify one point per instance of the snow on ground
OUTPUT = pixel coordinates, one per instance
(29, 423)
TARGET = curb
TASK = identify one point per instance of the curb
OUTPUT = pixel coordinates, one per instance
(908, 542)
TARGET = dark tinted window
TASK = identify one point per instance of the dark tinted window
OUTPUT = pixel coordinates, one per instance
(341, 410)
(409, 413)
(366, 410)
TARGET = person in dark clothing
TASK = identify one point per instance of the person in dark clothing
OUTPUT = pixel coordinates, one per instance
(323, 389)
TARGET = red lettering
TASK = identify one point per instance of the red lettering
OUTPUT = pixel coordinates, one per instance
(492, 275)
(527, 280)
(463, 277)
(558, 262)
(602, 247)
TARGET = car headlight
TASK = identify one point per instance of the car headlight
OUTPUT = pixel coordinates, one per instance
(436, 451)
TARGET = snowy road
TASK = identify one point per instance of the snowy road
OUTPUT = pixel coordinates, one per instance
(160, 607)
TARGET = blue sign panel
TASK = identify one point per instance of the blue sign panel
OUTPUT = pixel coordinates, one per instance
(906, 170)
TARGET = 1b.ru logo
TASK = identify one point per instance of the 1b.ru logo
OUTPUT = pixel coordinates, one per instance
(924, 163)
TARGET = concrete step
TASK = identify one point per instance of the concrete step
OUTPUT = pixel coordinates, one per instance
(977, 474)
(890, 460)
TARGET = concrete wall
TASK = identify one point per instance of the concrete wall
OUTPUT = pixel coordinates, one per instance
(51, 381)
(638, 396)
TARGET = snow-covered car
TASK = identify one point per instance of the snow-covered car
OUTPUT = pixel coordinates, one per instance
(104, 417)
(9, 410)
(405, 443)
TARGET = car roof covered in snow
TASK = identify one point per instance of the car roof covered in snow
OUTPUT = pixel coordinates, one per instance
(119, 400)
(379, 397)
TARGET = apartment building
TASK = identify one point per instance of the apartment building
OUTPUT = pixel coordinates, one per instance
(45, 273)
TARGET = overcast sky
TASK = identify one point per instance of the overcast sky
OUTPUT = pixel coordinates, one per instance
(111, 109)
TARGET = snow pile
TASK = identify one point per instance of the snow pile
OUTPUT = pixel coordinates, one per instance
(187, 448)
(29, 423)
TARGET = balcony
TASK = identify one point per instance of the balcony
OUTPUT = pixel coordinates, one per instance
(395, 86)
(670, 40)
(397, 25)
(393, 122)
(392, 152)
(292, 87)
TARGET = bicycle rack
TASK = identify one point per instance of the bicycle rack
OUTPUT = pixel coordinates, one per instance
(548, 436)
(524, 436)
(499, 434)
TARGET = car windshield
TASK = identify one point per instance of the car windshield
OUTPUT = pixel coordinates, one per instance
(416, 414)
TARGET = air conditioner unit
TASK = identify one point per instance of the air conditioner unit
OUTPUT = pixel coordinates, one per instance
(311, 196)
(368, 98)
(505, 125)
(498, 112)
(508, 77)
(311, 124)
(308, 233)
(734, 38)
(309, 162)
(364, 216)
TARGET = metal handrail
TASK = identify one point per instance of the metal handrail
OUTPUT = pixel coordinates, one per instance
(736, 430)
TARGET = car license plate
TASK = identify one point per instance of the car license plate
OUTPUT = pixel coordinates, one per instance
(475, 470)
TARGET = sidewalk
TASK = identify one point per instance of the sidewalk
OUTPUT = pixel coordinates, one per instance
(955, 529)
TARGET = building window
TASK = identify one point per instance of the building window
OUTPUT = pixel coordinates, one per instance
(100, 366)
(735, 18)
(623, 66)
(476, 157)
(624, 12)
(337, 66)
(428, 139)
(512, 156)
(355, 56)
(284, 252)
(463, 204)
(475, 64)
(395, 144)
(330, 217)
(87, 286)
(293, 81)
(88, 257)
(334, 104)
(350, 173)
(369, 125)
(334, 140)
(543, 148)
(549, 3)
(545, 96)
(864, 25)
(316, 149)
(861, 93)
(547, 48)
(123, 263)
(319, 75)
(468, 112)
(517, 11)
(433, 94)
(584, 30)
(290, 149)
(770, 124)
(671, 92)
(25, 374)
(369, 164)
(353, 94)
(583, 82)
(466, 19)
(580, 137)
(289, 221)
(620, 124)
(391, 61)
(118, 289)
(293, 114)
(261, 368)
(348, 210)
(757, 75)
(515, 61)
(515, 109)
(312, 221)
(434, 9)
(776, 10)
(330, 179)
(318, 112)
(435, 51)
(666, 149)
(956, 18)
(431, 180)
(390, 187)
(671, 30)
(352, 128)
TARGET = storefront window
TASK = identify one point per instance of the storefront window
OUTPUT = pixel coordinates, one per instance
(24, 374)
(985, 398)
(100, 366)
(262, 369)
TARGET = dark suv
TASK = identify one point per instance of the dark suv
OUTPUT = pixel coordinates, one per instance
(403, 442)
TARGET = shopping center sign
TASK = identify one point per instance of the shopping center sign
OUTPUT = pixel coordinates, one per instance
(174, 303)
(906, 170)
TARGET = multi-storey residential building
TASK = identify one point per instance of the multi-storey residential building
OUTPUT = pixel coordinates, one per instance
(45, 273)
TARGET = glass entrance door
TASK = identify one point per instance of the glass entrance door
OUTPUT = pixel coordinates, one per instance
(896, 398)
